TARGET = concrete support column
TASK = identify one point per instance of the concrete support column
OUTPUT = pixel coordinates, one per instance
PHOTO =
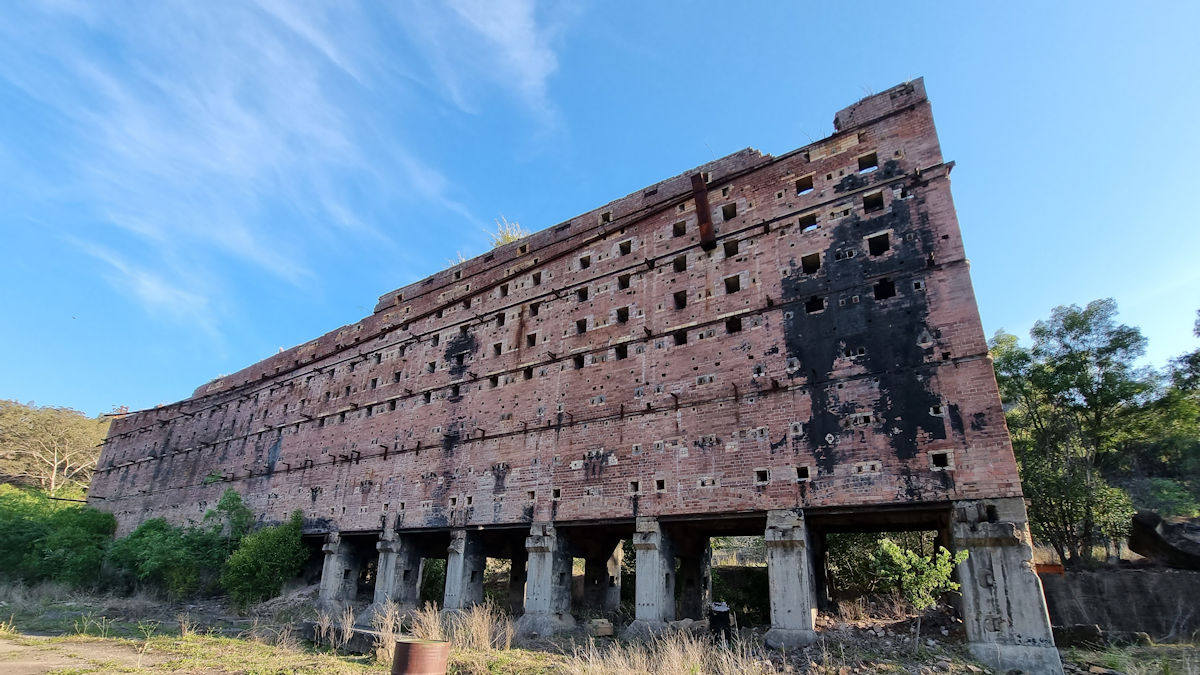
(654, 589)
(339, 575)
(517, 577)
(695, 574)
(398, 573)
(465, 562)
(548, 583)
(1003, 608)
(789, 572)
(602, 580)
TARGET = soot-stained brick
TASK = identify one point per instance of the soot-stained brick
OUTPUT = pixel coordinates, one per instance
(273, 454)
(462, 343)
(888, 329)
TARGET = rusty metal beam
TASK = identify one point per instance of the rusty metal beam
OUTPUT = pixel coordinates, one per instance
(708, 236)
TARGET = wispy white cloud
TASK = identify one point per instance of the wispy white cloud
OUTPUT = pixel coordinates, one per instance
(241, 136)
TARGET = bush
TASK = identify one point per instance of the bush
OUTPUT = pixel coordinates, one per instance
(264, 560)
(43, 540)
(920, 578)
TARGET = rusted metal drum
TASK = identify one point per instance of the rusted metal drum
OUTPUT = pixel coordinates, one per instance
(420, 657)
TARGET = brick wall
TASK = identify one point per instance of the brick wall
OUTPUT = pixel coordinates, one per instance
(826, 352)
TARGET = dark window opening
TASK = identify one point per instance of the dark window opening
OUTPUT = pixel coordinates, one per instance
(868, 163)
(500, 317)
(680, 337)
(622, 314)
(460, 359)
(462, 330)
(878, 244)
(536, 278)
(582, 294)
(623, 281)
(814, 305)
(733, 284)
(660, 484)
(458, 274)
(625, 248)
(391, 406)
(578, 359)
(534, 308)
(527, 373)
(873, 202)
(884, 289)
(680, 263)
(556, 493)
(428, 397)
(804, 185)
(497, 349)
(396, 376)
(436, 339)
(374, 382)
(808, 223)
(347, 394)
(729, 211)
(494, 381)
(581, 326)
(523, 249)
(531, 340)
(733, 324)
(454, 391)
(679, 229)
(810, 263)
(467, 303)
(440, 313)
(503, 290)
(606, 217)
(585, 262)
(802, 473)
(731, 249)
(941, 460)
(622, 352)
(680, 298)
(430, 367)
(761, 475)
(634, 487)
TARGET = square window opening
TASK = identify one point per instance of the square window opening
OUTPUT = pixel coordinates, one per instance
(527, 373)
(731, 249)
(497, 349)
(535, 308)
(940, 460)
(884, 289)
(733, 284)
(761, 476)
(585, 262)
(634, 487)
(578, 361)
(625, 247)
(500, 318)
(868, 163)
(680, 299)
(873, 202)
(606, 217)
(581, 294)
(729, 211)
(503, 290)
(536, 278)
(660, 484)
(878, 244)
(531, 340)
(622, 314)
(733, 324)
(814, 305)
(808, 223)
(679, 229)
(804, 185)
(581, 326)
(802, 473)
(680, 263)
(622, 352)
(680, 337)
(623, 281)
(810, 263)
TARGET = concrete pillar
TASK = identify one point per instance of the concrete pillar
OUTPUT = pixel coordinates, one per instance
(654, 590)
(548, 584)
(789, 572)
(339, 575)
(1003, 608)
(465, 562)
(695, 574)
(517, 577)
(398, 573)
(602, 580)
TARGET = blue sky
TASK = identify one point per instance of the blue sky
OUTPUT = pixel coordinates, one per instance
(187, 187)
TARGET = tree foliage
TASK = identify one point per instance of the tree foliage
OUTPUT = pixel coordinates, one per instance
(921, 579)
(264, 560)
(54, 448)
(44, 540)
(1087, 422)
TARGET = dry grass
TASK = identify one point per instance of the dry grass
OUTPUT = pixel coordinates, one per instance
(8, 627)
(345, 627)
(323, 628)
(426, 623)
(387, 622)
(669, 654)
(482, 628)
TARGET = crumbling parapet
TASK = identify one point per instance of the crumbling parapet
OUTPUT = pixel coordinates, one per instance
(654, 591)
(548, 583)
(1003, 608)
(789, 573)
(465, 563)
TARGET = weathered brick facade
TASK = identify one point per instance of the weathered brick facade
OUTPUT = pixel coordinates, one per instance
(827, 351)
(779, 345)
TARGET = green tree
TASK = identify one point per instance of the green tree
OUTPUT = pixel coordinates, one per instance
(45, 540)
(1072, 402)
(54, 448)
(264, 560)
(921, 579)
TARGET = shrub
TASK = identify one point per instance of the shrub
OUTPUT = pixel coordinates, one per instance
(920, 578)
(43, 540)
(263, 561)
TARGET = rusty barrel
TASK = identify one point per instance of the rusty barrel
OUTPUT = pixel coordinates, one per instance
(420, 657)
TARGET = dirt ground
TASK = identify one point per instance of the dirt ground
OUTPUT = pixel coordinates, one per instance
(33, 655)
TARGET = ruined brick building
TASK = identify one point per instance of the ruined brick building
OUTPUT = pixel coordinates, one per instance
(782, 346)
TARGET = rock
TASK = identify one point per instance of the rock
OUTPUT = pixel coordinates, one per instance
(930, 643)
